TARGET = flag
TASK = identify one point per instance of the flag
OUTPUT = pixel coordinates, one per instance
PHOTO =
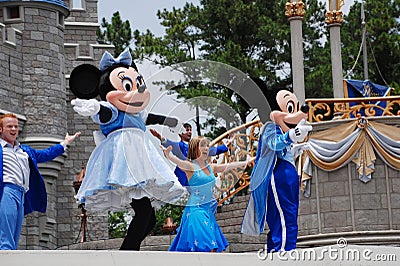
(365, 88)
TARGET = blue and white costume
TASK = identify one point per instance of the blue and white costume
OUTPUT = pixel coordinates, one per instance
(125, 170)
(274, 185)
(126, 165)
(15, 201)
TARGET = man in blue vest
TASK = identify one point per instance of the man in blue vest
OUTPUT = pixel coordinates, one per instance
(22, 188)
(180, 149)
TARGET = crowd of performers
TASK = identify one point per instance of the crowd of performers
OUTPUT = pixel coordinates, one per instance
(126, 170)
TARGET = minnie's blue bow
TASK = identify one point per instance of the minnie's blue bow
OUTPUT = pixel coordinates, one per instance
(108, 60)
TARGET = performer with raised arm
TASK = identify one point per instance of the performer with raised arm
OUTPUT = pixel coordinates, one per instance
(180, 149)
(22, 187)
(198, 230)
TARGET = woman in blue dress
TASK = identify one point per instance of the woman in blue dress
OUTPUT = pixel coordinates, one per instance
(198, 230)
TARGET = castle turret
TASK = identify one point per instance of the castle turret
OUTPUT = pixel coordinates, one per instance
(40, 95)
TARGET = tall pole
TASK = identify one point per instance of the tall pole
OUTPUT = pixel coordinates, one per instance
(295, 10)
(364, 41)
(334, 20)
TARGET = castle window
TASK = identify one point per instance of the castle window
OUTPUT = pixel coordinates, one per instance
(13, 12)
(60, 19)
(77, 4)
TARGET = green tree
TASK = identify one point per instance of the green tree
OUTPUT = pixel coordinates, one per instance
(239, 33)
(175, 212)
(117, 32)
(382, 24)
(249, 35)
(178, 45)
(117, 224)
(317, 54)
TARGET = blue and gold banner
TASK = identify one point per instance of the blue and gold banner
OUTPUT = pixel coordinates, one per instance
(365, 88)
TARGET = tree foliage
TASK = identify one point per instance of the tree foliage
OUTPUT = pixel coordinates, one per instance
(175, 212)
(209, 32)
(117, 32)
(179, 42)
(245, 33)
(382, 20)
(117, 224)
(317, 63)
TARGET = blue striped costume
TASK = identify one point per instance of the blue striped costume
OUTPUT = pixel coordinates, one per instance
(274, 186)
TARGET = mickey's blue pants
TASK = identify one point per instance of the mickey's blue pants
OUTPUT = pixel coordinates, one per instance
(282, 207)
(11, 215)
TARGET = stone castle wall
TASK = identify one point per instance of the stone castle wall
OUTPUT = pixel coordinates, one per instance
(11, 77)
(37, 53)
(80, 48)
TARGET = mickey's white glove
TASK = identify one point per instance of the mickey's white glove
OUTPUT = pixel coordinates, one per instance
(298, 149)
(300, 132)
(86, 107)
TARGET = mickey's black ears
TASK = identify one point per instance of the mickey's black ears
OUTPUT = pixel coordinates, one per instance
(134, 66)
(269, 93)
(261, 84)
(84, 81)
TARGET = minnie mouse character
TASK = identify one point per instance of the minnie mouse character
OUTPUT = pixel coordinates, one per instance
(125, 168)
(274, 182)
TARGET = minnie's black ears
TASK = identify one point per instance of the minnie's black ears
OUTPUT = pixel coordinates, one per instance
(84, 81)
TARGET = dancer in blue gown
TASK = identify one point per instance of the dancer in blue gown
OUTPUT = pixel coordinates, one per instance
(199, 231)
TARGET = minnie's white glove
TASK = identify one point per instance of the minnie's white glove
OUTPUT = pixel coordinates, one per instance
(86, 107)
(300, 132)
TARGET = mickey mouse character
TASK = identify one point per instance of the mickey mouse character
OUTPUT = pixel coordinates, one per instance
(125, 168)
(274, 182)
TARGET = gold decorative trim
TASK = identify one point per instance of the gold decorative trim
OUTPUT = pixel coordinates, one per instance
(295, 9)
(245, 143)
(334, 16)
(339, 108)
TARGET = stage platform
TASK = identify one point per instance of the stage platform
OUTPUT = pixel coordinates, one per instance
(328, 255)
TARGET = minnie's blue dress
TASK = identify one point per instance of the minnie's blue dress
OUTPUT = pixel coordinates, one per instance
(126, 165)
(199, 231)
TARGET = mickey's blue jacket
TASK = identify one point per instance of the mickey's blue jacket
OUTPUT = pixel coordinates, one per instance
(36, 197)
